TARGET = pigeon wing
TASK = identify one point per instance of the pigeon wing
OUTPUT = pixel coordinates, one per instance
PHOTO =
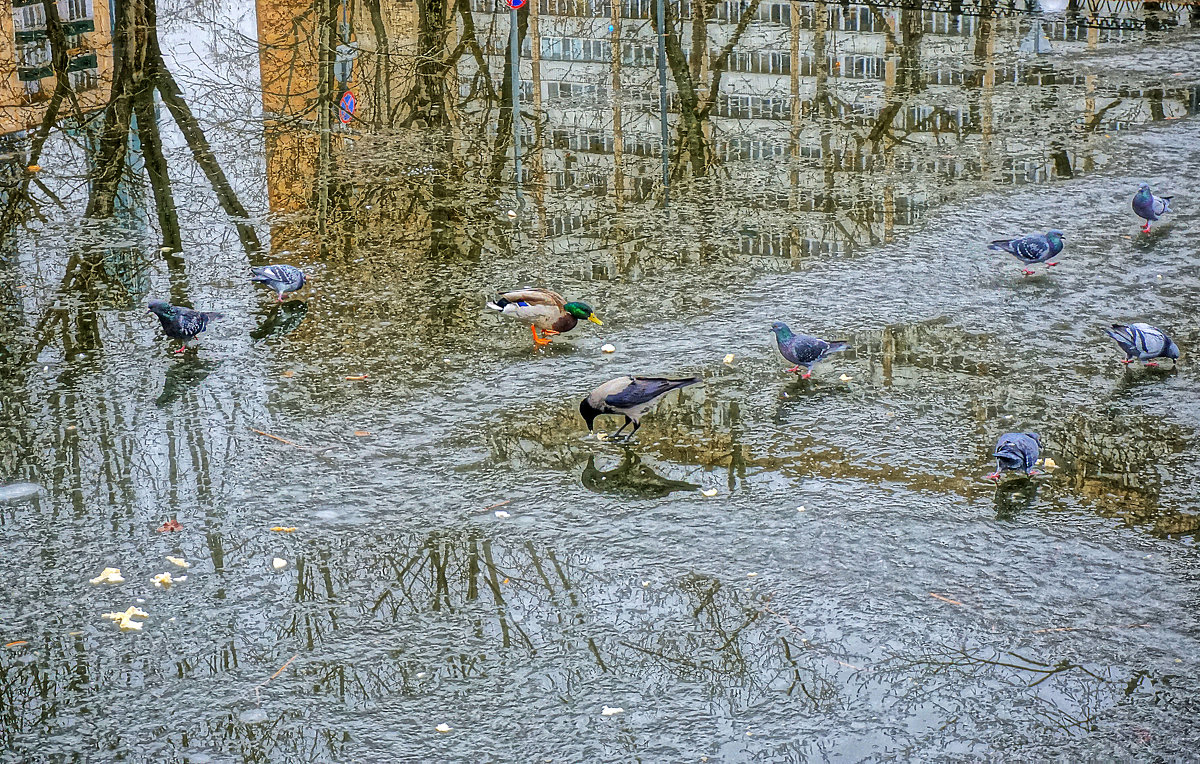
(1148, 340)
(804, 349)
(1031, 249)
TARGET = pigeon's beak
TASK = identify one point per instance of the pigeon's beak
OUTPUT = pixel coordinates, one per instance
(595, 320)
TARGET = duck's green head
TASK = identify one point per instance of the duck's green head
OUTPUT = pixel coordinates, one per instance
(582, 310)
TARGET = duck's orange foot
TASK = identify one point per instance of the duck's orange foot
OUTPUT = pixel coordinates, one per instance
(538, 339)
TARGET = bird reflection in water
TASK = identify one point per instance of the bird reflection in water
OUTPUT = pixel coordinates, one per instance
(183, 376)
(1014, 497)
(282, 319)
(631, 476)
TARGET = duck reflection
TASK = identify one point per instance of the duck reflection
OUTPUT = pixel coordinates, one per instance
(631, 476)
(282, 319)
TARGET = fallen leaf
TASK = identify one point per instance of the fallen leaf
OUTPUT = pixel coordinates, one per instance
(709, 492)
(1049, 464)
(283, 528)
(500, 513)
(279, 563)
(361, 433)
(608, 348)
(34, 168)
(289, 374)
(178, 561)
(356, 378)
(163, 581)
(845, 378)
(109, 576)
(610, 711)
(800, 509)
(729, 358)
(170, 526)
(443, 727)
(18, 642)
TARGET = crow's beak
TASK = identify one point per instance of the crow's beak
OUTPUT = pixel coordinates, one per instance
(595, 320)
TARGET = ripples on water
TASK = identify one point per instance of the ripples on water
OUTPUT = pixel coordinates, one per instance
(845, 178)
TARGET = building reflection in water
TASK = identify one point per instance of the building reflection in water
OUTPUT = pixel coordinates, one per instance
(826, 126)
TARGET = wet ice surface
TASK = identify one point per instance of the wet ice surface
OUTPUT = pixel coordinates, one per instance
(911, 610)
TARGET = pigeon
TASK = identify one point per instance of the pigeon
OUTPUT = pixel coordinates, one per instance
(1143, 342)
(1016, 451)
(181, 323)
(282, 278)
(1035, 248)
(1150, 207)
(630, 397)
(803, 350)
(543, 309)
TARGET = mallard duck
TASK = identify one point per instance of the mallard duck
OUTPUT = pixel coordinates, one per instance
(543, 309)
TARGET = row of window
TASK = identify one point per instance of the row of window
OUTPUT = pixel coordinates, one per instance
(598, 50)
(28, 17)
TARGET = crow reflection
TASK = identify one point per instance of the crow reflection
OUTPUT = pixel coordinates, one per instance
(631, 476)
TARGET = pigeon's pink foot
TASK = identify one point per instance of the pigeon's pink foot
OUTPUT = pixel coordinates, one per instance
(1152, 364)
(794, 369)
(994, 476)
(1051, 265)
(1033, 473)
(1126, 361)
(182, 349)
(1146, 228)
(1027, 272)
(806, 375)
(279, 298)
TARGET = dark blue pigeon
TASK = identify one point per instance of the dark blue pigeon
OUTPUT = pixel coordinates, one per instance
(1143, 342)
(1035, 248)
(181, 323)
(1017, 451)
(1150, 207)
(282, 278)
(803, 350)
(630, 397)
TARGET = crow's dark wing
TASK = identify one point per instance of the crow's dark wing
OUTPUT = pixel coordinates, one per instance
(642, 390)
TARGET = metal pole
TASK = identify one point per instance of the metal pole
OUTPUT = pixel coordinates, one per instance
(515, 46)
(662, 100)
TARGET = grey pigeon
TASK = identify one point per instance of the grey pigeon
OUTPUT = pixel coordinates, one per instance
(1035, 248)
(803, 350)
(1143, 342)
(630, 397)
(181, 323)
(1150, 207)
(282, 278)
(1016, 451)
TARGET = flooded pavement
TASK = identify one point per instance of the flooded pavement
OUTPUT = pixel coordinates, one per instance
(393, 515)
